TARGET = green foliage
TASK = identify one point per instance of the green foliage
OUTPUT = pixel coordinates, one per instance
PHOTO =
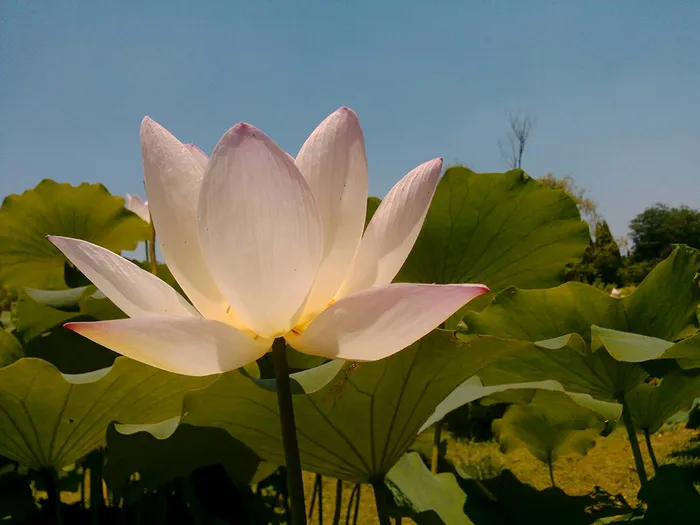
(424, 497)
(663, 306)
(590, 342)
(474, 232)
(86, 212)
(652, 404)
(162, 452)
(587, 206)
(357, 426)
(51, 419)
(10, 349)
(562, 356)
(473, 389)
(658, 228)
(550, 426)
(7, 297)
(602, 262)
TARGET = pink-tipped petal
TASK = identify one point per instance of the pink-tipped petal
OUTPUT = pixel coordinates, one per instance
(259, 229)
(173, 177)
(376, 323)
(393, 230)
(333, 162)
(187, 346)
(136, 292)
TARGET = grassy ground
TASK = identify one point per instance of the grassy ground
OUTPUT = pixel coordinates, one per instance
(608, 465)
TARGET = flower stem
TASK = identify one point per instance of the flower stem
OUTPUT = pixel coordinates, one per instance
(437, 438)
(53, 494)
(381, 499)
(295, 482)
(634, 443)
(551, 468)
(96, 461)
(338, 501)
(152, 250)
(354, 500)
(650, 449)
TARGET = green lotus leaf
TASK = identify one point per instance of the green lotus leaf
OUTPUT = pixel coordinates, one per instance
(652, 405)
(164, 451)
(10, 349)
(88, 211)
(432, 498)
(60, 299)
(307, 381)
(32, 318)
(550, 426)
(626, 346)
(665, 304)
(572, 363)
(473, 389)
(537, 315)
(357, 426)
(51, 419)
(499, 229)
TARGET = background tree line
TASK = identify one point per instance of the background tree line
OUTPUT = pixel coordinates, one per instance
(610, 262)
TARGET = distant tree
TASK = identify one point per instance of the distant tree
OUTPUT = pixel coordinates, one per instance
(586, 206)
(602, 261)
(513, 146)
(659, 227)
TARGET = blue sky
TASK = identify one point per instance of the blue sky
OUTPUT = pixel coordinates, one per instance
(613, 86)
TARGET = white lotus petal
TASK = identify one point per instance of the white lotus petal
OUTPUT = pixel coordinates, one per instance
(136, 205)
(187, 346)
(333, 162)
(376, 323)
(173, 177)
(198, 155)
(135, 291)
(259, 230)
(393, 230)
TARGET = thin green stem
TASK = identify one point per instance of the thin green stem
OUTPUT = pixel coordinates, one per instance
(381, 498)
(551, 468)
(318, 494)
(148, 252)
(53, 494)
(357, 504)
(314, 495)
(437, 438)
(338, 501)
(152, 250)
(319, 484)
(295, 482)
(96, 462)
(650, 449)
(353, 495)
(634, 443)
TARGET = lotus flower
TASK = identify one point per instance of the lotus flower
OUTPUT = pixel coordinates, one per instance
(268, 246)
(139, 207)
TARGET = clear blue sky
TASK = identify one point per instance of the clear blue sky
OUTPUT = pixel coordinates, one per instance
(614, 85)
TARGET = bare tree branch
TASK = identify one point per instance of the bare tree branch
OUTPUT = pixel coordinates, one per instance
(513, 147)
